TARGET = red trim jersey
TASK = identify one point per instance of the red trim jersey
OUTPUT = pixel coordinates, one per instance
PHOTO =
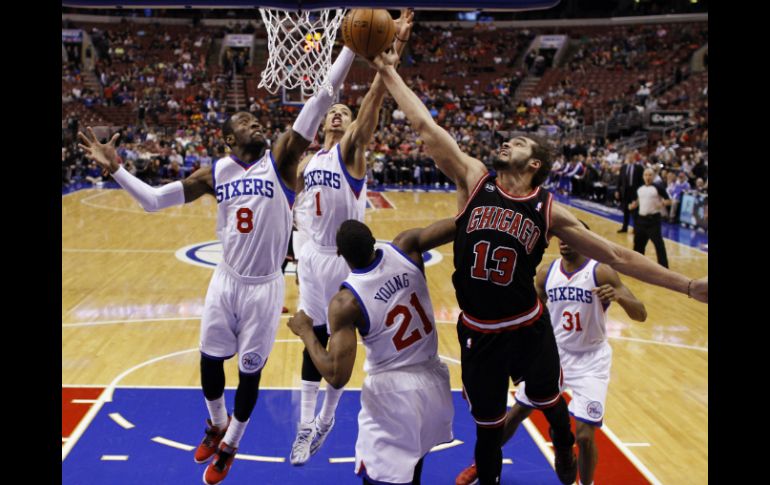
(499, 242)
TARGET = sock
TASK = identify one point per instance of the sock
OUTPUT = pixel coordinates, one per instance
(331, 399)
(235, 432)
(218, 411)
(309, 397)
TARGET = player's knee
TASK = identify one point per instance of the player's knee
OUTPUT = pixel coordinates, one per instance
(585, 435)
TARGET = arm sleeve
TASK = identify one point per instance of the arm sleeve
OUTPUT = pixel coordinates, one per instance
(150, 198)
(316, 107)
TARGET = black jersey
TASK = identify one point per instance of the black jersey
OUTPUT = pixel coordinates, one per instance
(499, 242)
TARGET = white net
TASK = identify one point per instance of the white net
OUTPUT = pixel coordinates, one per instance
(300, 48)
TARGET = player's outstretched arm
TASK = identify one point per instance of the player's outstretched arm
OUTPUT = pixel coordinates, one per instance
(464, 170)
(359, 135)
(610, 289)
(150, 198)
(294, 142)
(414, 242)
(336, 364)
(566, 227)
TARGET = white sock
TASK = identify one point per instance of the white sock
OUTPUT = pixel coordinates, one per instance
(217, 411)
(309, 398)
(581, 483)
(235, 432)
(331, 399)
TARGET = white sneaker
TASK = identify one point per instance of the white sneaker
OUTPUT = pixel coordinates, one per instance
(300, 449)
(321, 432)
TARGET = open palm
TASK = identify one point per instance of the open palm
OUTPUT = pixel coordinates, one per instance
(104, 154)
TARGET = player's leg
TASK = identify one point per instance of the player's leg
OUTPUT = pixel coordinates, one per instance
(641, 234)
(310, 301)
(544, 380)
(588, 375)
(588, 454)
(485, 383)
(333, 271)
(259, 309)
(657, 240)
(516, 415)
(218, 343)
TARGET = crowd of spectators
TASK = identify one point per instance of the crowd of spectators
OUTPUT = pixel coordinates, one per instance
(176, 102)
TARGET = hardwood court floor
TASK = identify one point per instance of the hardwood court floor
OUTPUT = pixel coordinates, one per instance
(126, 300)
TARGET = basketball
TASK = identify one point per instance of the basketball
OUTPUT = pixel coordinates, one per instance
(367, 32)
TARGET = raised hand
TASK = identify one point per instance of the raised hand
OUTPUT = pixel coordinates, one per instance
(404, 27)
(104, 154)
(606, 293)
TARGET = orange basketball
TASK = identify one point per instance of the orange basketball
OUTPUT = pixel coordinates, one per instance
(367, 32)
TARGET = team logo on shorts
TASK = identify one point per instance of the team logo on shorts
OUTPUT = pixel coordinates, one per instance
(594, 409)
(252, 361)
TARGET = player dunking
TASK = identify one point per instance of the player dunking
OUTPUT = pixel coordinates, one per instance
(254, 188)
(406, 401)
(333, 188)
(578, 292)
(503, 225)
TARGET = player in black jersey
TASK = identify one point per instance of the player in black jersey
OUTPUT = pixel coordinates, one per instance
(503, 226)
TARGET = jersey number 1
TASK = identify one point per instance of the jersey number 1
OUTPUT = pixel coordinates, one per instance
(398, 340)
(318, 204)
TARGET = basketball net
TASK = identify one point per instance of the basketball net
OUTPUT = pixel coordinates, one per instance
(300, 48)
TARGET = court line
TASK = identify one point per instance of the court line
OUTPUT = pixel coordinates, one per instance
(83, 401)
(145, 320)
(105, 397)
(114, 457)
(624, 449)
(174, 444)
(122, 422)
(87, 202)
(118, 250)
(138, 320)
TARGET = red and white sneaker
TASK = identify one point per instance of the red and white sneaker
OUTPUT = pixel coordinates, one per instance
(469, 476)
(220, 465)
(210, 441)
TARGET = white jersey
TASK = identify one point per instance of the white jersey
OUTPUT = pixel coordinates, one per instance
(331, 196)
(399, 328)
(253, 214)
(577, 315)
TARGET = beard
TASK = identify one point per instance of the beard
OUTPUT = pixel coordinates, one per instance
(255, 146)
(500, 164)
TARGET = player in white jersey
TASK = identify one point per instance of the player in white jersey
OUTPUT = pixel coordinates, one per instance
(406, 401)
(333, 187)
(254, 189)
(577, 291)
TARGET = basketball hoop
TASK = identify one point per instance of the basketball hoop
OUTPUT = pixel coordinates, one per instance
(300, 48)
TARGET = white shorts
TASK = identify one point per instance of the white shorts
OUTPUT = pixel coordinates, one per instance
(299, 238)
(320, 272)
(587, 374)
(241, 315)
(404, 413)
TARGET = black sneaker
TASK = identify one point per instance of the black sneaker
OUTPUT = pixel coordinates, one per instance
(564, 462)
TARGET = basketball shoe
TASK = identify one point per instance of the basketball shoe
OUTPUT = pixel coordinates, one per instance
(210, 442)
(469, 476)
(300, 449)
(220, 465)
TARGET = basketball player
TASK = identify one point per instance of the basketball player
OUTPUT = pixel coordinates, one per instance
(406, 401)
(503, 226)
(333, 188)
(254, 188)
(577, 291)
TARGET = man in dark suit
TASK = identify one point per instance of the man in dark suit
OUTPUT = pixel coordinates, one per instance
(631, 178)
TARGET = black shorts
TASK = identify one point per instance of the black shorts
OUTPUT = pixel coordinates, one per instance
(489, 360)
